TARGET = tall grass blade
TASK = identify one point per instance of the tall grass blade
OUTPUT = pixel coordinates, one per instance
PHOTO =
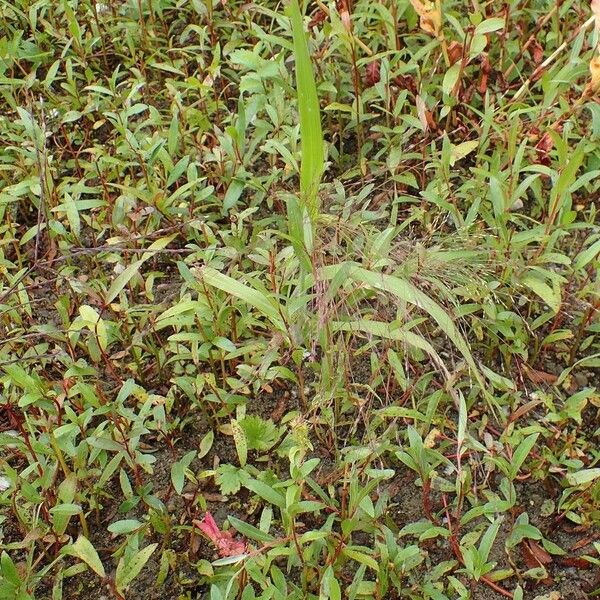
(311, 135)
(407, 292)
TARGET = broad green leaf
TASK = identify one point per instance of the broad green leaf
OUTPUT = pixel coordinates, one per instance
(549, 295)
(450, 78)
(125, 526)
(264, 304)
(265, 491)
(488, 538)
(489, 25)
(587, 255)
(178, 470)
(361, 557)
(330, 587)
(520, 454)
(584, 476)
(249, 531)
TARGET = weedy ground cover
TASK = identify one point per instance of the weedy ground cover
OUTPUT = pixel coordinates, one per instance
(299, 301)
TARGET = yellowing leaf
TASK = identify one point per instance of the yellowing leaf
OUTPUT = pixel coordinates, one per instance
(422, 113)
(595, 72)
(595, 6)
(83, 550)
(430, 16)
(461, 150)
(241, 444)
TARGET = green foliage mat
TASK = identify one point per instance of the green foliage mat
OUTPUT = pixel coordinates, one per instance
(299, 301)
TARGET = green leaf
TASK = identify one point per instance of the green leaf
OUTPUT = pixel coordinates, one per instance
(125, 526)
(549, 295)
(489, 25)
(123, 278)
(9, 570)
(361, 557)
(330, 588)
(263, 303)
(266, 492)
(128, 571)
(461, 150)
(584, 476)
(587, 255)
(206, 443)
(488, 538)
(261, 434)
(450, 78)
(84, 551)
(178, 470)
(250, 531)
(404, 290)
(228, 479)
(521, 453)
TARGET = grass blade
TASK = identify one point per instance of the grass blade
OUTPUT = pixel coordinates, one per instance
(311, 167)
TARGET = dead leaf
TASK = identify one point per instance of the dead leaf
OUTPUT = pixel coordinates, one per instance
(531, 552)
(318, 17)
(430, 17)
(455, 52)
(486, 69)
(538, 377)
(537, 51)
(432, 438)
(524, 409)
(539, 553)
(543, 148)
(576, 562)
(586, 541)
(281, 407)
(422, 113)
(550, 596)
(346, 20)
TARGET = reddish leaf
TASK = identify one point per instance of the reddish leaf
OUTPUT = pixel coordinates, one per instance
(486, 69)
(539, 553)
(535, 376)
(576, 562)
(318, 17)
(406, 82)
(537, 52)
(586, 541)
(455, 51)
(373, 76)
(224, 541)
(530, 558)
(543, 148)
